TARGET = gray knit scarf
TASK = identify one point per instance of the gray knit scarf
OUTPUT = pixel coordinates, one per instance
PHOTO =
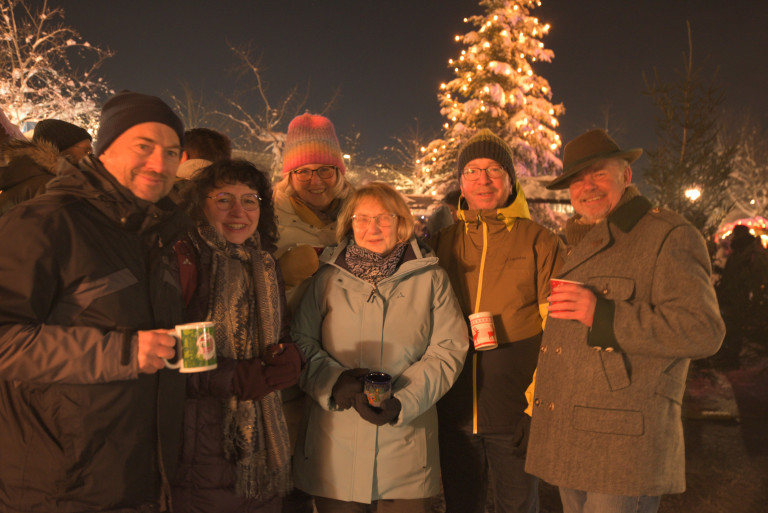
(370, 266)
(245, 305)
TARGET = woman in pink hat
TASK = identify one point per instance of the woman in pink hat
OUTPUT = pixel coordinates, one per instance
(307, 202)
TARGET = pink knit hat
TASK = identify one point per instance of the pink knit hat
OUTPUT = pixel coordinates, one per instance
(311, 139)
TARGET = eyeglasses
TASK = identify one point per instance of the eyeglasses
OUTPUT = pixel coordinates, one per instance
(225, 201)
(382, 220)
(471, 174)
(305, 175)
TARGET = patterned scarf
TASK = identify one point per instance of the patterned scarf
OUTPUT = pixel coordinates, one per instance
(370, 266)
(245, 305)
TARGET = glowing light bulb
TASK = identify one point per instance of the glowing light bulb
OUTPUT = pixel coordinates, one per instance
(457, 38)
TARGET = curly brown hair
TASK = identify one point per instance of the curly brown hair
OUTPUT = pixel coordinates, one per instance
(231, 172)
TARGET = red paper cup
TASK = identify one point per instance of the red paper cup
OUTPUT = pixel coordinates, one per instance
(556, 282)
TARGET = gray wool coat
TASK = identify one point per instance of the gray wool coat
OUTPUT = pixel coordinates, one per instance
(606, 415)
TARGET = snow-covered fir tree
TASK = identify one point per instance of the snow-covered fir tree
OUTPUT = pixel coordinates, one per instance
(691, 164)
(495, 86)
(46, 69)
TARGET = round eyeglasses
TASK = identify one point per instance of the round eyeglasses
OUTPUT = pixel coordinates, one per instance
(382, 220)
(225, 201)
(305, 175)
(471, 174)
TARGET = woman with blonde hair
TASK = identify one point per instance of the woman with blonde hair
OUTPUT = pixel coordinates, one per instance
(379, 302)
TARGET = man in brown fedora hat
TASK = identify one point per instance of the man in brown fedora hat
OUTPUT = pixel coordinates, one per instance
(606, 424)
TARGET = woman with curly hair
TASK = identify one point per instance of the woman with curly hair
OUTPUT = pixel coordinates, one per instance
(236, 451)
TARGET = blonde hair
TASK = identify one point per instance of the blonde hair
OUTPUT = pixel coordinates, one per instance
(389, 198)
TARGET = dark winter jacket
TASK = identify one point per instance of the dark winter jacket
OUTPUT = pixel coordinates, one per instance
(30, 167)
(205, 480)
(83, 267)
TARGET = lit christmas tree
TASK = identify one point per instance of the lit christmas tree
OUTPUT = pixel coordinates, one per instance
(495, 87)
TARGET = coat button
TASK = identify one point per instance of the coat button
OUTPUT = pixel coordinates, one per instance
(597, 348)
(537, 401)
(608, 349)
(559, 350)
(605, 291)
(551, 406)
(543, 349)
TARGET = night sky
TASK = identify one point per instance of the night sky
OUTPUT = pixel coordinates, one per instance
(388, 58)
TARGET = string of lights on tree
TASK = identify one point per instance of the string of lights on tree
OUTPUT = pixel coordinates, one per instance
(496, 87)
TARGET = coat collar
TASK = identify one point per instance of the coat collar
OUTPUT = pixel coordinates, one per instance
(625, 217)
(518, 209)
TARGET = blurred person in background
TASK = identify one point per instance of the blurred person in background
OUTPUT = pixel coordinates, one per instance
(32, 164)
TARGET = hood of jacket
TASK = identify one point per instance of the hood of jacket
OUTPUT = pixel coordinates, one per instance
(416, 256)
(26, 159)
(92, 182)
(518, 209)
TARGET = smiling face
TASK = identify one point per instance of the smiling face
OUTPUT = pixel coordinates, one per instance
(236, 225)
(144, 159)
(317, 192)
(596, 191)
(379, 239)
(484, 192)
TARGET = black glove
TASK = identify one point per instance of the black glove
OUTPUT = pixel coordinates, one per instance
(284, 367)
(350, 382)
(250, 382)
(390, 409)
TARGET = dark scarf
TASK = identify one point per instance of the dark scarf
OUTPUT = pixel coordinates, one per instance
(245, 305)
(370, 266)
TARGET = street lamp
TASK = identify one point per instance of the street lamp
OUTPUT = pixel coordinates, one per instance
(693, 194)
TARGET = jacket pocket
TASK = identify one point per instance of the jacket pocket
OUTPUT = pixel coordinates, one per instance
(609, 421)
(615, 370)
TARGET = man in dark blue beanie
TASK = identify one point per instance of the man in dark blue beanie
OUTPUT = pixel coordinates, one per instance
(88, 292)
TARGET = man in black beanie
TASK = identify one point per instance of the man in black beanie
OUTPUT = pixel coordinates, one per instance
(88, 292)
(499, 261)
(71, 140)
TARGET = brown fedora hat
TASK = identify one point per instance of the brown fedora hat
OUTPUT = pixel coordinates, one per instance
(587, 149)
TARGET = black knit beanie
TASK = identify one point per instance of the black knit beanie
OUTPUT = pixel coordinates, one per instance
(127, 109)
(486, 145)
(59, 133)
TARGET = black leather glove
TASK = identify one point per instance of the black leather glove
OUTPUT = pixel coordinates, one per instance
(390, 409)
(283, 367)
(250, 382)
(349, 383)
